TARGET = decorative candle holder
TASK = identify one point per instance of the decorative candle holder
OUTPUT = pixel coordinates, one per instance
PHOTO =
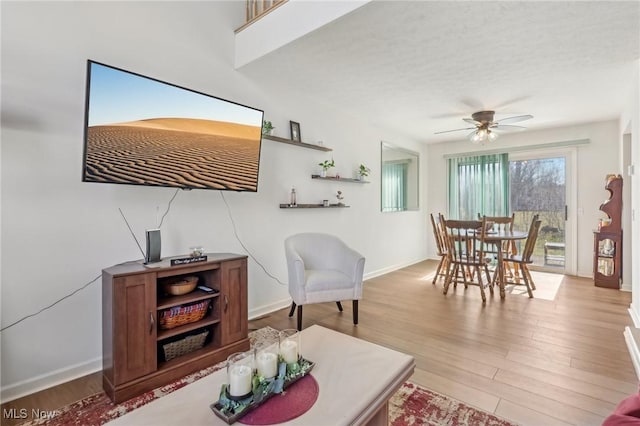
(267, 360)
(289, 340)
(240, 366)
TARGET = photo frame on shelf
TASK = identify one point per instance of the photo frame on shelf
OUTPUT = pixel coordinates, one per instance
(295, 131)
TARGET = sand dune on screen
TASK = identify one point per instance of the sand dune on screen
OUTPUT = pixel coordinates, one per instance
(196, 125)
(175, 152)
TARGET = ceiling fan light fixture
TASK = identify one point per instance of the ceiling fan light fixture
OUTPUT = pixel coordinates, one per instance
(482, 135)
(476, 137)
(484, 122)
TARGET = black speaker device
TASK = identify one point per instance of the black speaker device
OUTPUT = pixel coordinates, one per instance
(153, 246)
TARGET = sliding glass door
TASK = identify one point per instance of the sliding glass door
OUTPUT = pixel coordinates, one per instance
(529, 183)
(540, 184)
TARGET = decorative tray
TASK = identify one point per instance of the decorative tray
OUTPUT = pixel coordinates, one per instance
(230, 410)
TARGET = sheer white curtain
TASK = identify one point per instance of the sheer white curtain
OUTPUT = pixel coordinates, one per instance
(478, 184)
(394, 182)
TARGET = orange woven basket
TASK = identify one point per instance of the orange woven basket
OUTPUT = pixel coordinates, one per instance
(180, 315)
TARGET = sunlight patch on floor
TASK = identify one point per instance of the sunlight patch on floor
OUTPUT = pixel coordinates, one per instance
(547, 285)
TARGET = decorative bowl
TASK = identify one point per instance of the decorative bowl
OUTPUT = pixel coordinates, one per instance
(183, 286)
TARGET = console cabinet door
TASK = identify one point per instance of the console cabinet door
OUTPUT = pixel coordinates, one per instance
(134, 327)
(234, 316)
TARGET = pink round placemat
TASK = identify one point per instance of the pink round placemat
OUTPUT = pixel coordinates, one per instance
(293, 402)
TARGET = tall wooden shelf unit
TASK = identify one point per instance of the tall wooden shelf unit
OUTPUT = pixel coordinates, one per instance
(132, 343)
(607, 241)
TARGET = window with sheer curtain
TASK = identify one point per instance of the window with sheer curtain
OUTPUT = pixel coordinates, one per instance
(394, 182)
(478, 184)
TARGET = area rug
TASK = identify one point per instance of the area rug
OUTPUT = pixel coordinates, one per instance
(411, 405)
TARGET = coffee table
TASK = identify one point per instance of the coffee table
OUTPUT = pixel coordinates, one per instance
(356, 380)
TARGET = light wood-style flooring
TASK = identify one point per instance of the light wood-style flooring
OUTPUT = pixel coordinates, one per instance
(532, 361)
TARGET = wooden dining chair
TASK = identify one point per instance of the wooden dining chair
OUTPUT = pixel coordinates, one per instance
(441, 247)
(465, 247)
(509, 248)
(524, 259)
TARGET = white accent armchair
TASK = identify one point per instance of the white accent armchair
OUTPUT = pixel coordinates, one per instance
(322, 268)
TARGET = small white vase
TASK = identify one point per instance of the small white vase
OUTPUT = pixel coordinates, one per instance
(323, 173)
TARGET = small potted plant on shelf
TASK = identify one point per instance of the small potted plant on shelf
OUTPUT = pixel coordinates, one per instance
(267, 127)
(340, 197)
(326, 165)
(363, 172)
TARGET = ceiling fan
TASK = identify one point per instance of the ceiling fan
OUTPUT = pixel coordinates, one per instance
(485, 126)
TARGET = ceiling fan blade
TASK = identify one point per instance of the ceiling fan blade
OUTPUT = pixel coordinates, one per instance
(472, 121)
(515, 119)
(455, 130)
(499, 126)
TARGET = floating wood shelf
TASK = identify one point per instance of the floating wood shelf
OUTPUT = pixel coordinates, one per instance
(338, 179)
(295, 143)
(313, 206)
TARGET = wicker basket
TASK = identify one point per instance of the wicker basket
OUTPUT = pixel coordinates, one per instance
(184, 314)
(182, 286)
(184, 346)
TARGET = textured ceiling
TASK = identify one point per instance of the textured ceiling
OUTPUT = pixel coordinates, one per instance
(419, 67)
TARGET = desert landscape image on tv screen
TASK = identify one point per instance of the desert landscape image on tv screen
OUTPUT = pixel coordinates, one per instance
(142, 131)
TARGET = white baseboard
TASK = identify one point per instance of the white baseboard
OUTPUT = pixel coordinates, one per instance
(267, 309)
(625, 287)
(585, 274)
(634, 316)
(634, 351)
(63, 375)
(391, 268)
(45, 381)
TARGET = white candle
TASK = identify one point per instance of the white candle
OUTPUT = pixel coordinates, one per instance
(289, 351)
(267, 364)
(239, 380)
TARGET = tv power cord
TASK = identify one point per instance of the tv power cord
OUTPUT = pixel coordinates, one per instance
(96, 278)
(235, 232)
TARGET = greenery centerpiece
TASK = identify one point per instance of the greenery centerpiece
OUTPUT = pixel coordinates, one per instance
(231, 410)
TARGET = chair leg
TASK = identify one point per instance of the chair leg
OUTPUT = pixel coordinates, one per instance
(293, 308)
(299, 317)
(526, 277)
(447, 280)
(481, 284)
(531, 283)
(339, 306)
(355, 312)
(490, 284)
(440, 265)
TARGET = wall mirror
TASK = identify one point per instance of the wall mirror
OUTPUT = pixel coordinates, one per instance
(399, 178)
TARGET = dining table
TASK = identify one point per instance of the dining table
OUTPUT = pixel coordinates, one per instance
(497, 237)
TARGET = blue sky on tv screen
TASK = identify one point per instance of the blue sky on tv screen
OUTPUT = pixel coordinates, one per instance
(118, 96)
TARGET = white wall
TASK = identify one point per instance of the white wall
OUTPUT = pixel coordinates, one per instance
(630, 123)
(594, 161)
(58, 233)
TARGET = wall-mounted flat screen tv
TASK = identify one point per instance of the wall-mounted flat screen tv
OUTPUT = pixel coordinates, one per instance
(143, 131)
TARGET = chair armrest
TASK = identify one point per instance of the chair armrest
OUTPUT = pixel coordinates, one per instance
(352, 264)
(295, 270)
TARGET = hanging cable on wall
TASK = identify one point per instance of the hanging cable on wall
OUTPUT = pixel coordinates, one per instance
(96, 278)
(235, 232)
